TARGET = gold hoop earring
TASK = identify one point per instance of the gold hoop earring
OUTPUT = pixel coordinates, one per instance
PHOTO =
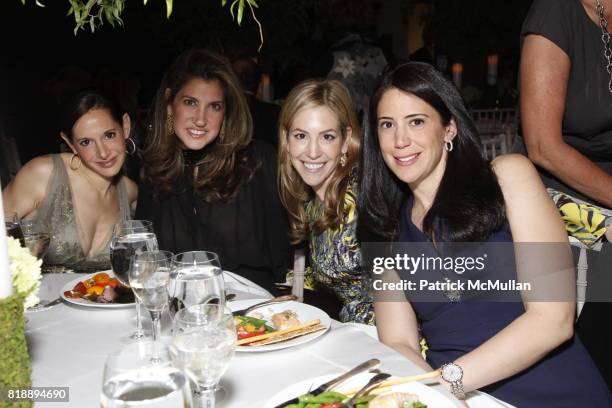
(127, 150)
(343, 159)
(169, 125)
(72, 167)
(449, 146)
(222, 132)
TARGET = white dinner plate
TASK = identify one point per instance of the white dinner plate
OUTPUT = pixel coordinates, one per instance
(305, 313)
(84, 302)
(426, 395)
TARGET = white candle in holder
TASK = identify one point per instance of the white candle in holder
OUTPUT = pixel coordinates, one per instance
(492, 61)
(6, 284)
(457, 69)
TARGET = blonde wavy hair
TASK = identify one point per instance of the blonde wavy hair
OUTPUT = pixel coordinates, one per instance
(294, 193)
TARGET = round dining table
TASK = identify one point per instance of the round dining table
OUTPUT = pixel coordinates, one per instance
(69, 344)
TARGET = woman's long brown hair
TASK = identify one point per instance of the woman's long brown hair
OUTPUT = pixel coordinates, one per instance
(225, 166)
(294, 193)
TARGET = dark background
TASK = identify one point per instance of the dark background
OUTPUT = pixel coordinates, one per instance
(37, 43)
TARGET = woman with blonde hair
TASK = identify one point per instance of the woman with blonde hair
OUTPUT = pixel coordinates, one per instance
(318, 156)
(207, 186)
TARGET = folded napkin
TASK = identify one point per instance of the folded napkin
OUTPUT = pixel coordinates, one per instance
(584, 221)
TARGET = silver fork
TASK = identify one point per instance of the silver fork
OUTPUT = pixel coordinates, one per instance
(374, 381)
(280, 299)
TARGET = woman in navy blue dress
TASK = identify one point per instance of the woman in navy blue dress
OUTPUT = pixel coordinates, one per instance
(425, 180)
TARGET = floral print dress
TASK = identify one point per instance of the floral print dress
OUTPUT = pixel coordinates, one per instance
(335, 263)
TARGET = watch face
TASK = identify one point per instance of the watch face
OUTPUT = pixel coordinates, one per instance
(452, 372)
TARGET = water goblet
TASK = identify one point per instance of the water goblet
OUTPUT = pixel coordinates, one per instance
(149, 276)
(141, 374)
(197, 278)
(36, 236)
(13, 226)
(130, 238)
(203, 345)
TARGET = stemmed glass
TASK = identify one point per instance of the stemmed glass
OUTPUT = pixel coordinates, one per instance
(36, 237)
(130, 238)
(13, 226)
(197, 278)
(203, 344)
(149, 276)
(132, 378)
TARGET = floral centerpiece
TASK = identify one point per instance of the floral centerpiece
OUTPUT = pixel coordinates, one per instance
(14, 358)
(25, 272)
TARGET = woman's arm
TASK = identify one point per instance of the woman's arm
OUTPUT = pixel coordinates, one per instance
(397, 327)
(543, 326)
(544, 74)
(26, 192)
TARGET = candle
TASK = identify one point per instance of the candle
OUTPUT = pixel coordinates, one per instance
(492, 69)
(6, 285)
(266, 88)
(457, 69)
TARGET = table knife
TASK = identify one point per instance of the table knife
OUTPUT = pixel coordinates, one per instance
(326, 386)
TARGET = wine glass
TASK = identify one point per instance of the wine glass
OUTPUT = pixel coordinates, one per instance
(36, 237)
(141, 374)
(13, 226)
(197, 278)
(131, 237)
(149, 276)
(203, 344)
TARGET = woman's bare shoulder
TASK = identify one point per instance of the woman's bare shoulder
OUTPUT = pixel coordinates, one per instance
(37, 171)
(514, 168)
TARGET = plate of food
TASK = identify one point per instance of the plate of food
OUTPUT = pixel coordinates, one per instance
(407, 395)
(278, 326)
(99, 289)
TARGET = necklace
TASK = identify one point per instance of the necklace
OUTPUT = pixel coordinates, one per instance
(605, 38)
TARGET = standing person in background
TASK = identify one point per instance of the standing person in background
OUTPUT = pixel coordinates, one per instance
(79, 197)
(318, 154)
(265, 115)
(355, 59)
(566, 112)
(206, 185)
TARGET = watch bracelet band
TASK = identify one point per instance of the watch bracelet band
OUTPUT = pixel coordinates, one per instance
(458, 390)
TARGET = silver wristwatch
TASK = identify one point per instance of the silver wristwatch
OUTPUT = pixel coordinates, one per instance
(453, 374)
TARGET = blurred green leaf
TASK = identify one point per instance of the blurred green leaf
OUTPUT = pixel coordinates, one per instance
(240, 11)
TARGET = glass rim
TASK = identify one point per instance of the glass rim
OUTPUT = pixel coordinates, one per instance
(12, 214)
(211, 257)
(167, 256)
(227, 313)
(144, 223)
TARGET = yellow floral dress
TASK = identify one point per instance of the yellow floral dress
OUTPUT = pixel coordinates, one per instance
(335, 263)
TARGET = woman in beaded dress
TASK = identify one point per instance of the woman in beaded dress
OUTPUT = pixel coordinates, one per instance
(318, 153)
(79, 197)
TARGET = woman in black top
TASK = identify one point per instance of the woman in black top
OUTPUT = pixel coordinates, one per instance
(566, 110)
(206, 185)
(566, 97)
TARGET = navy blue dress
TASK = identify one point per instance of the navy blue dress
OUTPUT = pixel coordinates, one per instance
(567, 377)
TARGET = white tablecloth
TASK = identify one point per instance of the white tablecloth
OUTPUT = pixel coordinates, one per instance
(69, 344)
